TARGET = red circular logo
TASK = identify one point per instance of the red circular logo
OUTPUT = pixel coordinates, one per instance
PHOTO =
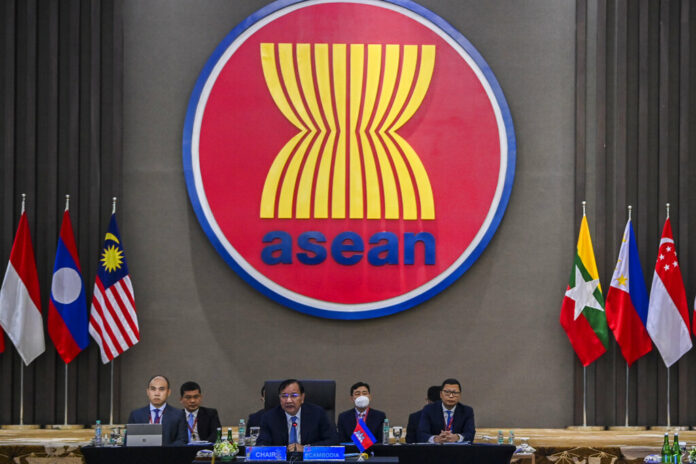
(349, 159)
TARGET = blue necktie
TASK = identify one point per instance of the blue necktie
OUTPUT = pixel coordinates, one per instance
(293, 430)
(157, 416)
(449, 417)
(190, 427)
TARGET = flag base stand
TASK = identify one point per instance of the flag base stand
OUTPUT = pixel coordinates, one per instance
(628, 428)
(21, 427)
(65, 426)
(586, 428)
(109, 426)
(670, 428)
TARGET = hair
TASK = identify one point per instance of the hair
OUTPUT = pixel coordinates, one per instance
(434, 393)
(358, 385)
(287, 382)
(189, 386)
(158, 375)
(451, 382)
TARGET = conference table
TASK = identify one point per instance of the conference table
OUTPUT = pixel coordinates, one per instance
(403, 454)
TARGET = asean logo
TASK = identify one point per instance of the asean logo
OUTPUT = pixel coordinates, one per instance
(349, 159)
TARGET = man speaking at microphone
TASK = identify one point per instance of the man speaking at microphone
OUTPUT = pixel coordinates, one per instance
(295, 423)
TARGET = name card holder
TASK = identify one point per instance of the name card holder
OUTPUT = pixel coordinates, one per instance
(266, 453)
(324, 453)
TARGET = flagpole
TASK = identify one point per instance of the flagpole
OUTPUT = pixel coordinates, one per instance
(584, 390)
(111, 388)
(65, 408)
(630, 209)
(21, 364)
(669, 420)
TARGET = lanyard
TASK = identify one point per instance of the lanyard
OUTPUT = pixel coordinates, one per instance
(159, 419)
(449, 422)
(192, 428)
(357, 415)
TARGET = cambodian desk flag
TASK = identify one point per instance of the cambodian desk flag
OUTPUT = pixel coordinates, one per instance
(67, 308)
(627, 301)
(20, 301)
(362, 437)
(113, 322)
(668, 318)
(582, 311)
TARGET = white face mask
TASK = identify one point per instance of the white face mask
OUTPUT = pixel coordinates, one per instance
(362, 402)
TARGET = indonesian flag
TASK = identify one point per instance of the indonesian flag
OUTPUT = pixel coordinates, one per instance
(627, 301)
(668, 319)
(362, 437)
(20, 301)
(582, 311)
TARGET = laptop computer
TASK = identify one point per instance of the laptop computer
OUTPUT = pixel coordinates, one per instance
(143, 434)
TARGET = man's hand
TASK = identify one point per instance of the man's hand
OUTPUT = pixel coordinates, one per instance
(446, 437)
(295, 447)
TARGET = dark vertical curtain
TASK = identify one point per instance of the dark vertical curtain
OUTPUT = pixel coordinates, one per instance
(61, 92)
(636, 145)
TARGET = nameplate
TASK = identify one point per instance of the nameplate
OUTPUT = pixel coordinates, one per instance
(266, 453)
(324, 453)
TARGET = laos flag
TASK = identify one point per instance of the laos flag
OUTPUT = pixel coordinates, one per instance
(362, 437)
(67, 310)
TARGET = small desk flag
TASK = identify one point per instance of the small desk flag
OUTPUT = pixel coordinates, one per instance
(362, 437)
(113, 322)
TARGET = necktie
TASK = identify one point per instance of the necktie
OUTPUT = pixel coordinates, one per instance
(293, 430)
(190, 427)
(157, 416)
(448, 426)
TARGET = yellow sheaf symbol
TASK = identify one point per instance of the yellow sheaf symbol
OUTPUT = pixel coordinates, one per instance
(347, 134)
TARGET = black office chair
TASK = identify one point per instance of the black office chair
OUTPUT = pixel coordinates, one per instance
(320, 392)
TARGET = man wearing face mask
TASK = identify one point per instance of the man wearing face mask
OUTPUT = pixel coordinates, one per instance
(360, 395)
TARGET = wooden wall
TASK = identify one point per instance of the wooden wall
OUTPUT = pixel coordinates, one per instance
(60, 133)
(636, 145)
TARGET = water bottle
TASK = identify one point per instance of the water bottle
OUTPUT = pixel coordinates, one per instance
(511, 438)
(98, 434)
(229, 435)
(385, 432)
(219, 436)
(501, 438)
(241, 432)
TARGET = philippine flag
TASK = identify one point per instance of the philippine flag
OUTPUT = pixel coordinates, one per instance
(67, 310)
(362, 437)
(627, 301)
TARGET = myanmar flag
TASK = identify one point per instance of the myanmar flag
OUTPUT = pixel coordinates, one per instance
(582, 314)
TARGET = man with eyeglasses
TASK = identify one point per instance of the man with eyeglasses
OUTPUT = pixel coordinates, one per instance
(295, 423)
(447, 420)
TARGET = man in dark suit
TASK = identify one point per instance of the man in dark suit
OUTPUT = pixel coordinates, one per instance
(201, 423)
(255, 417)
(159, 412)
(414, 418)
(447, 420)
(373, 418)
(295, 423)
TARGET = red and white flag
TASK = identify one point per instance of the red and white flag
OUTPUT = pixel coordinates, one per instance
(113, 322)
(20, 300)
(668, 313)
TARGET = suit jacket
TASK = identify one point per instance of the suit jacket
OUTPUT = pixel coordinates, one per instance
(254, 420)
(412, 427)
(347, 421)
(173, 424)
(315, 427)
(208, 423)
(432, 422)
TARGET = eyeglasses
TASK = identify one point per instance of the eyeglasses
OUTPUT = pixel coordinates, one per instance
(285, 396)
(451, 393)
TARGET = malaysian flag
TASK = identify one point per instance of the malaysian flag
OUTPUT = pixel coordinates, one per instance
(112, 321)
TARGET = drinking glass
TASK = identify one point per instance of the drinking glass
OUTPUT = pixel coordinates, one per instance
(254, 434)
(397, 430)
